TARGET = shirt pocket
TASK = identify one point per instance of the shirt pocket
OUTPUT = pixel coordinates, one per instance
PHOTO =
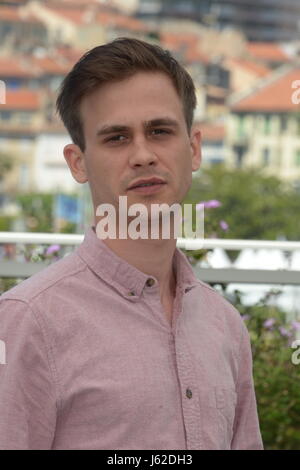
(226, 400)
(218, 413)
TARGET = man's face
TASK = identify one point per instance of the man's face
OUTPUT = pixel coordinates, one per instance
(135, 129)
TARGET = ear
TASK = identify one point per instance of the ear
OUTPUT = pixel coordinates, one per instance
(196, 153)
(75, 160)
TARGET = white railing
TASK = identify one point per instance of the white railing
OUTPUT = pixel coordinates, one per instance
(186, 243)
(22, 269)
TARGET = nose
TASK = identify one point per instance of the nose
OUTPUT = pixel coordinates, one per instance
(141, 154)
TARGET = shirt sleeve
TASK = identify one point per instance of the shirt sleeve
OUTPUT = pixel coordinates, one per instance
(246, 432)
(27, 389)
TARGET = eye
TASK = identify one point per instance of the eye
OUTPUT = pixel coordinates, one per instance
(116, 138)
(160, 131)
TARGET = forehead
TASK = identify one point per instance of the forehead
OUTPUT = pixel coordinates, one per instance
(141, 97)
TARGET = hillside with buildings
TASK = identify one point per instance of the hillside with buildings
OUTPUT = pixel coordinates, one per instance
(244, 88)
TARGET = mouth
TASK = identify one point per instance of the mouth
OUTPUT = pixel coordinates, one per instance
(148, 189)
(147, 186)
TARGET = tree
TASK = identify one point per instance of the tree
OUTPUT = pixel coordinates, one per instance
(253, 205)
(6, 164)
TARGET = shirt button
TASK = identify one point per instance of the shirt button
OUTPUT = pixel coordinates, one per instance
(189, 393)
(150, 282)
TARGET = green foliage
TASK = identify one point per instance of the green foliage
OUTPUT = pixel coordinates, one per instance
(7, 283)
(5, 223)
(276, 378)
(6, 163)
(37, 211)
(68, 227)
(254, 206)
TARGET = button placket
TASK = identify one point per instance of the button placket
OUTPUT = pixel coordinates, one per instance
(190, 402)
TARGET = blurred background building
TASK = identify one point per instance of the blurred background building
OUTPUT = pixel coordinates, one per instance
(243, 56)
(259, 20)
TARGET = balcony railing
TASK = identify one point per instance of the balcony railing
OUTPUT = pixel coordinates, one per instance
(284, 275)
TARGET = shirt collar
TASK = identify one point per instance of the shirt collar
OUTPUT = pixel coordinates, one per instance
(127, 280)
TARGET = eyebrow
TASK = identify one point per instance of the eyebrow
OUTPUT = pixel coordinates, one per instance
(109, 129)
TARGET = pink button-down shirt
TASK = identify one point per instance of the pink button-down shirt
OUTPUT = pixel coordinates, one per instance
(93, 363)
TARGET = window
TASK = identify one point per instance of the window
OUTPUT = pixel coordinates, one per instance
(14, 83)
(241, 126)
(216, 161)
(25, 117)
(25, 144)
(5, 115)
(24, 176)
(284, 122)
(266, 157)
(297, 158)
(267, 124)
(240, 151)
(298, 124)
(3, 143)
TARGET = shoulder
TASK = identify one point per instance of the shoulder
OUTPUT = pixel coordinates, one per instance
(217, 307)
(46, 280)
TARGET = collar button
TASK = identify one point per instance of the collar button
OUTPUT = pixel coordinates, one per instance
(150, 282)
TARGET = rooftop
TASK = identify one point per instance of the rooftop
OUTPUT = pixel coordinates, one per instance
(22, 99)
(275, 95)
(81, 16)
(268, 52)
(15, 14)
(259, 70)
(212, 132)
(10, 67)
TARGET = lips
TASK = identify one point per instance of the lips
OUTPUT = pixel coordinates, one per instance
(146, 182)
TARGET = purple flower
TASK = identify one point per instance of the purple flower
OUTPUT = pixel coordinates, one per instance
(284, 331)
(52, 249)
(213, 203)
(269, 323)
(209, 204)
(223, 225)
(295, 325)
(245, 317)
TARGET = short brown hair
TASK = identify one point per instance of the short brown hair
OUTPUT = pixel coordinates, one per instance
(115, 61)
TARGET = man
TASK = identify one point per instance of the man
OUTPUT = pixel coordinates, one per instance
(118, 345)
